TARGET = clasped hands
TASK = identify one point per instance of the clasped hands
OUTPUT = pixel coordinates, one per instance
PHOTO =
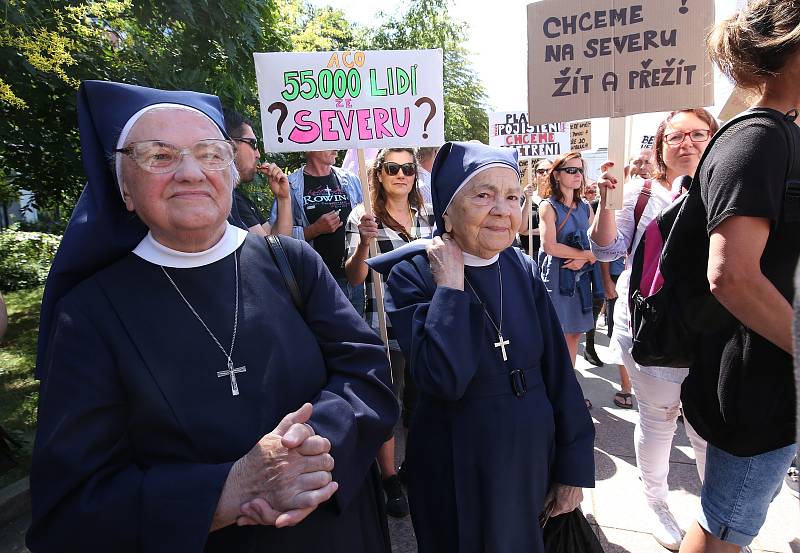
(282, 479)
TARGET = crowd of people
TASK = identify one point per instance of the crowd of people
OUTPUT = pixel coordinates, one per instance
(179, 413)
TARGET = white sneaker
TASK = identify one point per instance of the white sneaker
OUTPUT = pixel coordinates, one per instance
(664, 527)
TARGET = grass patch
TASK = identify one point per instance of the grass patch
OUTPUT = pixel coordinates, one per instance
(19, 391)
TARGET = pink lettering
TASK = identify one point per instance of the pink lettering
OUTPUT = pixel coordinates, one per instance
(401, 130)
(325, 117)
(347, 126)
(381, 117)
(305, 131)
(364, 130)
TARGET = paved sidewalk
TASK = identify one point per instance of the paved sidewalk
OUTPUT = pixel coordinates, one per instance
(616, 507)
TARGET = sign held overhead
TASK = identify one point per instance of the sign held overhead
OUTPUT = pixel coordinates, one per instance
(617, 57)
(339, 100)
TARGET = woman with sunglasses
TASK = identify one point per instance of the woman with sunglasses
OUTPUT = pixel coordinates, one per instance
(565, 258)
(680, 141)
(400, 216)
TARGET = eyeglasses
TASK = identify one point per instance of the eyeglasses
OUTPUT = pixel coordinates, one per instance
(392, 168)
(677, 138)
(156, 156)
(570, 170)
(252, 142)
(541, 171)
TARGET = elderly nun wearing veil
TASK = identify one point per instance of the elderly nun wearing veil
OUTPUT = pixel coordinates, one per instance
(501, 430)
(187, 404)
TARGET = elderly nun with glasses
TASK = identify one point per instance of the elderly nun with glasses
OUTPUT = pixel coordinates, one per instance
(500, 433)
(187, 404)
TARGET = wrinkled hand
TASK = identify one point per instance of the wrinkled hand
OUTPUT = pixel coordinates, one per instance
(278, 181)
(606, 182)
(283, 478)
(565, 499)
(447, 262)
(328, 223)
(574, 264)
(368, 228)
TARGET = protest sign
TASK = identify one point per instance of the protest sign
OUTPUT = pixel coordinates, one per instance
(580, 136)
(739, 100)
(510, 129)
(611, 58)
(337, 100)
(648, 142)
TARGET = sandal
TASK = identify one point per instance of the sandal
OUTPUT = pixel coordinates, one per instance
(623, 400)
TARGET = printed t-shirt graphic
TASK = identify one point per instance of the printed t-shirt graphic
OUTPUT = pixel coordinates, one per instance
(322, 195)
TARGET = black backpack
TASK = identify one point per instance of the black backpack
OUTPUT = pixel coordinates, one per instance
(670, 300)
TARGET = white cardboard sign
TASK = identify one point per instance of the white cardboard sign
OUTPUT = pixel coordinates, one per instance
(338, 100)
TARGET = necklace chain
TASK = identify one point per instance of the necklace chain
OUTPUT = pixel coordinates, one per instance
(499, 329)
(235, 311)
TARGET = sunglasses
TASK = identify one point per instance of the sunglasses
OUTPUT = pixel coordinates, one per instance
(541, 171)
(252, 142)
(392, 168)
(570, 170)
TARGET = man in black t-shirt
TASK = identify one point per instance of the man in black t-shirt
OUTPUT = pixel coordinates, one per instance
(247, 164)
(326, 201)
(323, 196)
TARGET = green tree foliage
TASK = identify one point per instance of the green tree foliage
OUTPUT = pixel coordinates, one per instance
(47, 47)
(427, 24)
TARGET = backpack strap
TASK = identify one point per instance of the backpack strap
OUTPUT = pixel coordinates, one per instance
(638, 211)
(282, 261)
(786, 121)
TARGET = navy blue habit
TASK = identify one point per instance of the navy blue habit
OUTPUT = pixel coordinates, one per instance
(489, 437)
(137, 434)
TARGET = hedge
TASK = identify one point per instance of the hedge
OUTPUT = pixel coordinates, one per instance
(25, 258)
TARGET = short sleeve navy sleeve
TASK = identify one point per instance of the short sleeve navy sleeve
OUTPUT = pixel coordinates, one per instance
(745, 173)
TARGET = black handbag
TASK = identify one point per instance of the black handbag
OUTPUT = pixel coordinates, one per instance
(570, 533)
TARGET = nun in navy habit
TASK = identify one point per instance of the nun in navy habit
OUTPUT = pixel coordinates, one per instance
(501, 431)
(187, 404)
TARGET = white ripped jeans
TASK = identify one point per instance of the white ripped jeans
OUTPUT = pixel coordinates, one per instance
(659, 406)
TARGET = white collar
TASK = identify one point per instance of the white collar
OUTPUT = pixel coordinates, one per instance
(475, 261)
(158, 254)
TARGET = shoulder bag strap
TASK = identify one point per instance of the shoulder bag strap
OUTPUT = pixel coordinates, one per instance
(641, 203)
(282, 261)
(564, 222)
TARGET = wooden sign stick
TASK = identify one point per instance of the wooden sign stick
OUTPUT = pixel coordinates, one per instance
(619, 133)
(373, 251)
(530, 210)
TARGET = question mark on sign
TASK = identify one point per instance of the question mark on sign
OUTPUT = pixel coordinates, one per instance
(683, 9)
(284, 112)
(426, 100)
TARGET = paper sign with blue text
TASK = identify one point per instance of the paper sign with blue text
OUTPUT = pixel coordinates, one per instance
(612, 58)
(351, 99)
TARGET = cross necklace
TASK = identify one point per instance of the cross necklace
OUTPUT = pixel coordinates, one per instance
(500, 343)
(231, 372)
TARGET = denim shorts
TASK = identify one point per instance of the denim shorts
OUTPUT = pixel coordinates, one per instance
(737, 492)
